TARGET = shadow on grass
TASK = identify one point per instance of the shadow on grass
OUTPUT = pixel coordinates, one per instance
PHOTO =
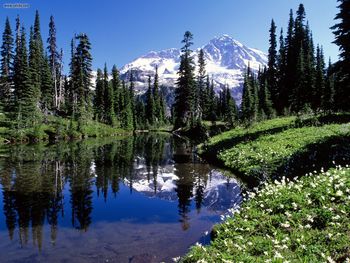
(314, 157)
(210, 152)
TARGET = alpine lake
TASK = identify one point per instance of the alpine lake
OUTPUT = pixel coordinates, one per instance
(142, 198)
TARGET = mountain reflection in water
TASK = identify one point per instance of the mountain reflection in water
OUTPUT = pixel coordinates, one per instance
(146, 196)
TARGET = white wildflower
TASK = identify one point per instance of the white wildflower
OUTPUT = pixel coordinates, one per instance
(176, 259)
(339, 193)
(330, 260)
(310, 218)
(285, 225)
(278, 255)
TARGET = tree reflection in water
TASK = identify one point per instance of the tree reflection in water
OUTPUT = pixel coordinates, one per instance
(37, 180)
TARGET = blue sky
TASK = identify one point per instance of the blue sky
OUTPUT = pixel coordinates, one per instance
(122, 30)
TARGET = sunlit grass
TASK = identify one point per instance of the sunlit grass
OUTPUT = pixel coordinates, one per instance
(265, 154)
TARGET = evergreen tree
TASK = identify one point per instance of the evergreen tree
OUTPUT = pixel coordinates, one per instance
(310, 71)
(341, 31)
(156, 99)
(231, 112)
(26, 93)
(108, 99)
(327, 102)
(201, 97)
(37, 35)
(250, 99)
(295, 99)
(212, 101)
(35, 66)
(184, 107)
(36, 59)
(141, 119)
(17, 66)
(67, 106)
(99, 96)
(319, 91)
(272, 65)
(206, 99)
(132, 98)
(126, 119)
(150, 106)
(291, 60)
(71, 92)
(6, 70)
(265, 103)
(221, 104)
(162, 109)
(247, 106)
(255, 92)
(299, 30)
(81, 78)
(282, 102)
(55, 64)
(46, 87)
(116, 90)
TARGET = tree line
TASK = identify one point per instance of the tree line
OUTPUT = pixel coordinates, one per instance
(195, 97)
(296, 78)
(33, 85)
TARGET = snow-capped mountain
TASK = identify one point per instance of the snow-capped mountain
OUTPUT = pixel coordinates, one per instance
(226, 62)
(219, 193)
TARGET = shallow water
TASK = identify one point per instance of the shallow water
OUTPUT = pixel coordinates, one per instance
(145, 198)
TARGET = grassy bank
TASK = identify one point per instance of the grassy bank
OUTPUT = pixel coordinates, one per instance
(56, 129)
(305, 220)
(302, 220)
(265, 148)
(228, 139)
(267, 153)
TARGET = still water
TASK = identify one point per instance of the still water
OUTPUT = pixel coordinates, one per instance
(145, 198)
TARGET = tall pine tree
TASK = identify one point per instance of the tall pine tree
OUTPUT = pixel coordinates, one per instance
(81, 77)
(6, 67)
(35, 66)
(328, 98)
(108, 98)
(116, 90)
(55, 65)
(247, 106)
(47, 101)
(132, 98)
(341, 31)
(126, 115)
(150, 107)
(99, 96)
(37, 60)
(282, 102)
(272, 66)
(319, 91)
(158, 114)
(25, 93)
(185, 93)
(201, 76)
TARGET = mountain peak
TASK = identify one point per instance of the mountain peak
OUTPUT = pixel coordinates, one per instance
(225, 40)
(226, 62)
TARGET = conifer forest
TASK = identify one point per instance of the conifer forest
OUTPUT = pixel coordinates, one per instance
(216, 153)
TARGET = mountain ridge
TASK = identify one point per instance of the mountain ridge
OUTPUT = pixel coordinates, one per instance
(226, 62)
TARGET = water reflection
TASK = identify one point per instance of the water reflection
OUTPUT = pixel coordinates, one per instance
(144, 189)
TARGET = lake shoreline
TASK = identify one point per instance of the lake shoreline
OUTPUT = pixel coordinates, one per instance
(323, 150)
